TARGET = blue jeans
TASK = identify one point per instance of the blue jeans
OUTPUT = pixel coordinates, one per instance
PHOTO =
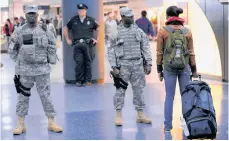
(170, 87)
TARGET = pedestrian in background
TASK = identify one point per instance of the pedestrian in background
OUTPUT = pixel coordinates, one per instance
(51, 27)
(7, 30)
(145, 24)
(22, 20)
(16, 23)
(110, 28)
(116, 17)
(60, 27)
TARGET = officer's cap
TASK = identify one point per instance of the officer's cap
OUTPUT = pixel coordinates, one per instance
(31, 8)
(125, 11)
(82, 6)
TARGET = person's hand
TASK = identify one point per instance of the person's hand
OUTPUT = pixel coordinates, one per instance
(160, 76)
(94, 41)
(195, 75)
(153, 38)
(69, 42)
(148, 69)
(116, 72)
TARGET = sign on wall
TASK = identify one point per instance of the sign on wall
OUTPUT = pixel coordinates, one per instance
(223, 1)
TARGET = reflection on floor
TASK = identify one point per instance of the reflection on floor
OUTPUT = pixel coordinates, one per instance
(87, 113)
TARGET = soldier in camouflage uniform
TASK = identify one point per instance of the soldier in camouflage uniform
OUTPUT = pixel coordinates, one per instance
(33, 49)
(126, 55)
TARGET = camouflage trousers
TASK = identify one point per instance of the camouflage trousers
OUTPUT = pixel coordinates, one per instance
(136, 76)
(43, 89)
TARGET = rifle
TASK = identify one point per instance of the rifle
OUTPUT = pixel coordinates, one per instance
(118, 82)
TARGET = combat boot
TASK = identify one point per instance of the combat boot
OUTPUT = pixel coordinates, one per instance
(52, 126)
(87, 84)
(20, 126)
(78, 84)
(142, 118)
(118, 118)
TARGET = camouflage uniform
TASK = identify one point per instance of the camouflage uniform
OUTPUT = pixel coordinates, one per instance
(129, 58)
(33, 65)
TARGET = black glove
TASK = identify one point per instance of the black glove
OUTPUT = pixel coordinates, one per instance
(148, 69)
(159, 68)
(160, 76)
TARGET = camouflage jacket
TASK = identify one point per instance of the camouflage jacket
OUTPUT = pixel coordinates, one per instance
(129, 44)
(33, 50)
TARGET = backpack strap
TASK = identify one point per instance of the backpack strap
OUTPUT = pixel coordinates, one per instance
(169, 29)
(184, 30)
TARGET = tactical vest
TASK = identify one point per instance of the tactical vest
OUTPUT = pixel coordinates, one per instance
(128, 43)
(34, 46)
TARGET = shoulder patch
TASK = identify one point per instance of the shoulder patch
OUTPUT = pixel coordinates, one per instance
(23, 26)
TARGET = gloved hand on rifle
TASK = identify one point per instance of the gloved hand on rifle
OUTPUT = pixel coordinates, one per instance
(116, 72)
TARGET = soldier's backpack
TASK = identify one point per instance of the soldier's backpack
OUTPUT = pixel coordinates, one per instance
(176, 50)
(198, 110)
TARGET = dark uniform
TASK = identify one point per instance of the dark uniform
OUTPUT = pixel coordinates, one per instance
(82, 33)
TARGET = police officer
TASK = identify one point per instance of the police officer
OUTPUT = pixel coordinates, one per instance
(82, 27)
(126, 55)
(33, 49)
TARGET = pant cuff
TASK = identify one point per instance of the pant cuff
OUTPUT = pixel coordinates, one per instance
(168, 127)
(139, 108)
(22, 115)
(118, 108)
(50, 115)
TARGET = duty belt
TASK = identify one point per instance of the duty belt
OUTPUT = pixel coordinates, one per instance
(87, 41)
(133, 59)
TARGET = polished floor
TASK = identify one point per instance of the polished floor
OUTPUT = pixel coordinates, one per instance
(87, 113)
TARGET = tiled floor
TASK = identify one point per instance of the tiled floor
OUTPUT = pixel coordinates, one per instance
(87, 113)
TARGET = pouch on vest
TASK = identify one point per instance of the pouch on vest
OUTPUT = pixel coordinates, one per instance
(52, 57)
(138, 37)
(27, 39)
(27, 53)
(42, 42)
(119, 48)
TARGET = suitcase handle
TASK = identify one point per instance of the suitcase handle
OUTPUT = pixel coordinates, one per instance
(199, 76)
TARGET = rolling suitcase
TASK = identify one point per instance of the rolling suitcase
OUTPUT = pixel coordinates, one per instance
(198, 110)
